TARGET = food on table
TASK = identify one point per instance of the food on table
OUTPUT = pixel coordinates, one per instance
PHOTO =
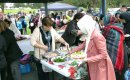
(51, 54)
(74, 63)
(59, 59)
(78, 55)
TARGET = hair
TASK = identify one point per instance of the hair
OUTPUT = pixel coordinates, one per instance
(124, 6)
(7, 21)
(128, 9)
(47, 21)
(2, 26)
(101, 17)
(78, 16)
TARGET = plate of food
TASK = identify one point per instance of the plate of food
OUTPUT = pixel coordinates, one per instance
(63, 50)
(51, 54)
(78, 55)
(59, 60)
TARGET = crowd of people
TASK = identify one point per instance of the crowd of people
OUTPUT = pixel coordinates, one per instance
(104, 41)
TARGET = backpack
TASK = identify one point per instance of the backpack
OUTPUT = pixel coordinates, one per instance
(23, 24)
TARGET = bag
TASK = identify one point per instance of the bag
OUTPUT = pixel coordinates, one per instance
(25, 58)
(31, 24)
(24, 68)
(23, 72)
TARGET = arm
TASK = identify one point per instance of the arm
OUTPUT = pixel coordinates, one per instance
(60, 39)
(15, 30)
(78, 48)
(35, 40)
(100, 44)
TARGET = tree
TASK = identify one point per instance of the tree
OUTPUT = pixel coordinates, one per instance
(2, 7)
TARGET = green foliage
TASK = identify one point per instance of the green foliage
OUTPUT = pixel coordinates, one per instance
(97, 3)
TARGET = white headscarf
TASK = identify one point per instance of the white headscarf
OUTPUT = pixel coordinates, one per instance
(87, 25)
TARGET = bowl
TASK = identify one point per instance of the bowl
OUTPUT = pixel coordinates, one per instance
(59, 60)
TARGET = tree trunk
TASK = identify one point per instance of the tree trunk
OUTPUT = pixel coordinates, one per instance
(2, 7)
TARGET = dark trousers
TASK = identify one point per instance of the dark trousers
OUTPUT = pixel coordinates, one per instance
(120, 76)
(9, 72)
(3, 74)
(21, 30)
(32, 29)
(41, 75)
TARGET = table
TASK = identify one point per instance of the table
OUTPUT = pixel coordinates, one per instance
(81, 71)
(25, 46)
(64, 70)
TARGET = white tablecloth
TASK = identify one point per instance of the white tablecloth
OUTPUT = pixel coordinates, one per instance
(25, 46)
(56, 68)
(80, 71)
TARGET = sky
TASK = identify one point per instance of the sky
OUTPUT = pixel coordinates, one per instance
(9, 4)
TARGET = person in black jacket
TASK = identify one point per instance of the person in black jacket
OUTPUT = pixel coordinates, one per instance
(72, 32)
(13, 51)
(3, 62)
(125, 19)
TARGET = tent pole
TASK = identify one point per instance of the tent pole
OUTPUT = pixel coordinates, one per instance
(104, 7)
(46, 9)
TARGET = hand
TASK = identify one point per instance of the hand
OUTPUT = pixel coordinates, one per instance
(84, 60)
(45, 47)
(67, 45)
(17, 38)
(79, 32)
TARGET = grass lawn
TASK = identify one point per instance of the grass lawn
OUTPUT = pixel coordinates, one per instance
(28, 31)
(14, 11)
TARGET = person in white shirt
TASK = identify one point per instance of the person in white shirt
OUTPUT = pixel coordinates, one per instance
(13, 27)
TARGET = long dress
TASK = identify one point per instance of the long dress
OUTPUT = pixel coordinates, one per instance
(99, 64)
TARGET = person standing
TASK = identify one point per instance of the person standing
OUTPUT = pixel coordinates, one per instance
(31, 24)
(113, 32)
(3, 62)
(24, 25)
(19, 25)
(44, 39)
(99, 63)
(13, 52)
(72, 33)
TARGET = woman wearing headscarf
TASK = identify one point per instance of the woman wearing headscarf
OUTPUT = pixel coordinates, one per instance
(99, 64)
(113, 32)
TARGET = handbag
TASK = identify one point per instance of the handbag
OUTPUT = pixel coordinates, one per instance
(25, 68)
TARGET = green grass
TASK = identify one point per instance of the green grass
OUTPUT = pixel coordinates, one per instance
(28, 31)
(14, 11)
